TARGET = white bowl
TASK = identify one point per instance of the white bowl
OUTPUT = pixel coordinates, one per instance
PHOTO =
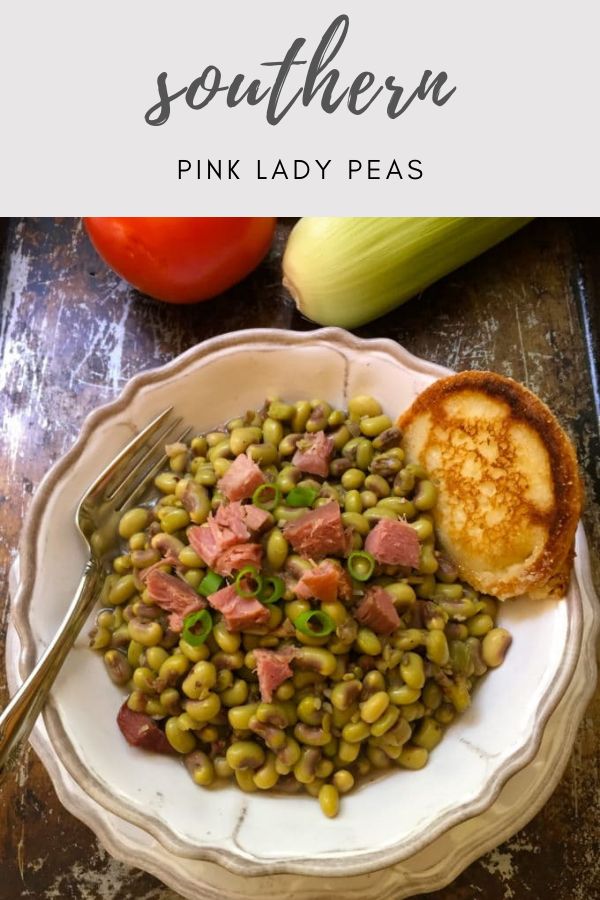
(380, 823)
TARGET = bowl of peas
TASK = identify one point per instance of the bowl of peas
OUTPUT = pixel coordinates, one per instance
(283, 672)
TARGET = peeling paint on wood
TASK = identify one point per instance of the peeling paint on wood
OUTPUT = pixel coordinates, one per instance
(72, 334)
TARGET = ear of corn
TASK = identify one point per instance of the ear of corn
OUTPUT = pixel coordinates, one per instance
(347, 271)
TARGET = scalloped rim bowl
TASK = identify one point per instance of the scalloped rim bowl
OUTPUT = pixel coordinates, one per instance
(382, 822)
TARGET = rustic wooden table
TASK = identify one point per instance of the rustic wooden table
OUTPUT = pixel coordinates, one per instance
(71, 336)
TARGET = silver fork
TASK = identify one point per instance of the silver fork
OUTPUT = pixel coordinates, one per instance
(117, 489)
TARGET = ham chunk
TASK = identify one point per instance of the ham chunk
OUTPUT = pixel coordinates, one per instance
(242, 519)
(210, 540)
(377, 611)
(173, 595)
(140, 730)
(255, 518)
(318, 533)
(394, 543)
(237, 557)
(273, 668)
(238, 612)
(321, 582)
(241, 479)
(313, 454)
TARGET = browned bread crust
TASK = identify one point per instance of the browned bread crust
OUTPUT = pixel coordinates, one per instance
(509, 488)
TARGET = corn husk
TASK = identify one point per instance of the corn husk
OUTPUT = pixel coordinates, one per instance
(348, 271)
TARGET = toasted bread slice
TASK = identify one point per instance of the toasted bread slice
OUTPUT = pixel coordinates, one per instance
(509, 488)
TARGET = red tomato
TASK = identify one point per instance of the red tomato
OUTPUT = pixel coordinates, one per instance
(181, 260)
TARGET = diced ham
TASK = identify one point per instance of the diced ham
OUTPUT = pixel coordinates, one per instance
(237, 557)
(377, 611)
(238, 612)
(241, 479)
(255, 518)
(140, 730)
(318, 533)
(175, 596)
(313, 453)
(210, 540)
(321, 582)
(394, 543)
(168, 560)
(273, 668)
(242, 519)
(230, 516)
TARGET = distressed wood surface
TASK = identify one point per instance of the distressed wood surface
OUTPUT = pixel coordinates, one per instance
(72, 334)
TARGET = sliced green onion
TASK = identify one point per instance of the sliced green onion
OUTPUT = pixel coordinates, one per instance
(301, 496)
(261, 496)
(314, 623)
(248, 573)
(210, 583)
(197, 627)
(361, 565)
(272, 590)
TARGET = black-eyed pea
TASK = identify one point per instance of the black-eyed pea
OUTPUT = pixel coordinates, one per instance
(117, 666)
(343, 780)
(413, 757)
(245, 755)
(385, 722)
(200, 767)
(205, 709)
(412, 670)
(245, 780)
(180, 740)
(267, 776)
(494, 646)
(329, 800)
(428, 734)
(373, 708)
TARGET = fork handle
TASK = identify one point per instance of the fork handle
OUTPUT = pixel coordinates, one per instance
(17, 720)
